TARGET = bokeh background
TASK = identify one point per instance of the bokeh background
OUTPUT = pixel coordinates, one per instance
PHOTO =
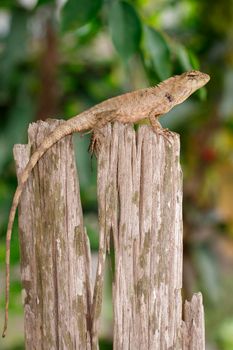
(58, 59)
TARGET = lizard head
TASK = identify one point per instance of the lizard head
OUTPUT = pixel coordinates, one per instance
(179, 88)
(187, 83)
(193, 80)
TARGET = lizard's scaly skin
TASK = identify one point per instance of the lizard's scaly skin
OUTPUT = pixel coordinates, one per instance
(128, 108)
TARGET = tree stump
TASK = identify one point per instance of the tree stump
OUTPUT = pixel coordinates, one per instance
(140, 178)
(140, 206)
(55, 254)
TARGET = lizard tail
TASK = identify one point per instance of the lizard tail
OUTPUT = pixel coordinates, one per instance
(8, 240)
(61, 131)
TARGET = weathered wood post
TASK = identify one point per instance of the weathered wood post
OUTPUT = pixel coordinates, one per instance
(140, 205)
(55, 254)
(140, 176)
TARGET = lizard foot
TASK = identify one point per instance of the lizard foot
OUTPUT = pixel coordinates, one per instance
(163, 132)
(158, 129)
(95, 143)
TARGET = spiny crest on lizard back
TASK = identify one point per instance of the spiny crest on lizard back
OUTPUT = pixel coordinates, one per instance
(166, 94)
(189, 82)
(136, 105)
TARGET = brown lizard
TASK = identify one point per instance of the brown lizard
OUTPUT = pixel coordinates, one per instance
(127, 108)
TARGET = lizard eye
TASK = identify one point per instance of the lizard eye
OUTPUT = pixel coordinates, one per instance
(192, 75)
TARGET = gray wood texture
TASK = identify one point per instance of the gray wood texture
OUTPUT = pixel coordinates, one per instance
(193, 335)
(55, 254)
(140, 211)
(140, 184)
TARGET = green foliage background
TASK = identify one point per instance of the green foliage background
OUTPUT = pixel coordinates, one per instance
(58, 59)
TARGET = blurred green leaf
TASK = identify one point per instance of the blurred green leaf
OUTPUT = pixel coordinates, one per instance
(88, 31)
(105, 344)
(45, 2)
(202, 94)
(158, 52)
(125, 28)
(20, 114)
(225, 335)
(194, 60)
(15, 49)
(208, 273)
(76, 13)
(184, 58)
(7, 3)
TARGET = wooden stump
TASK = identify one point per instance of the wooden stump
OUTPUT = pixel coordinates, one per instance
(140, 206)
(140, 179)
(55, 254)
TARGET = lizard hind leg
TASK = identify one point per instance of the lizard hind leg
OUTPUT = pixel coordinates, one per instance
(95, 142)
(103, 118)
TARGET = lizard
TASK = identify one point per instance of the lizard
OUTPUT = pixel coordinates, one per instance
(131, 107)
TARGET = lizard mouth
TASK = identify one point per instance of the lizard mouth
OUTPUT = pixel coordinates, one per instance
(205, 78)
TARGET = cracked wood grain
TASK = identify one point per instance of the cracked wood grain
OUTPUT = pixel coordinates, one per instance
(140, 182)
(193, 326)
(140, 205)
(55, 253)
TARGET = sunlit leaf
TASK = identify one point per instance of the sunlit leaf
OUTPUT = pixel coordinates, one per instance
(76, 13)
(194, 60)
(158, 52)
(125, 28)
(184, 58)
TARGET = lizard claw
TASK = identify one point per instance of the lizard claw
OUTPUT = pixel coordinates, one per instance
(166, 133)
(163, 132)
(94, 146)
(159, 130)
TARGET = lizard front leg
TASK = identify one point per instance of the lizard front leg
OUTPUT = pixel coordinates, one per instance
(157, 127)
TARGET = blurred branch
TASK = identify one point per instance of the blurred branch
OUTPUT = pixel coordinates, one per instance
(49, 87)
